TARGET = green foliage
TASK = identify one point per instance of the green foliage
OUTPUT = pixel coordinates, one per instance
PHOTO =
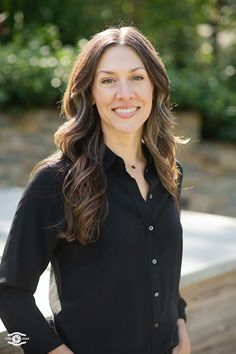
(209, 94)
(34, 68)
(195, 38)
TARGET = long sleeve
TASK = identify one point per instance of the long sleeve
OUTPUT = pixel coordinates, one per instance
(28, 250)
(182, 303)
(181, 308)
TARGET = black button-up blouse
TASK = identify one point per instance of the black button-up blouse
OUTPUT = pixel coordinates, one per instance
(119, 295)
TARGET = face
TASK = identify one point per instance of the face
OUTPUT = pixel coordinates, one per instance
(122, 91)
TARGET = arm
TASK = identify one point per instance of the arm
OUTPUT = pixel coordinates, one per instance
(184, 346)
(182, 303)
(181, 308)
(27, 252)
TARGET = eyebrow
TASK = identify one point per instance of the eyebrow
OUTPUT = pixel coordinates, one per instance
(112, 72)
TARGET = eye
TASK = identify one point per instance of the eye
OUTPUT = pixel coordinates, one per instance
(138, 78)
(107, 81)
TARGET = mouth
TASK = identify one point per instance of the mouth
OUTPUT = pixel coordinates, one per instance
(125, 112)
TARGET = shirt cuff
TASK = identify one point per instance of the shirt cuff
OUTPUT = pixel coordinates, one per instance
(41, 341)
(181, 308)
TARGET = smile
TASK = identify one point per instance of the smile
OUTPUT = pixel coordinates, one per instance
(125, 110)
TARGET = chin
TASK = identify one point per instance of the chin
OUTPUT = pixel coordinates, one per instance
(128, 130)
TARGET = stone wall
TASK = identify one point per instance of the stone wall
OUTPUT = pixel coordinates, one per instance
(25, 140)
(209, 183)
(209, 167)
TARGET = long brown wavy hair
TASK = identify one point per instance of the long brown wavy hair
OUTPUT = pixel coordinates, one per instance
(80, 138)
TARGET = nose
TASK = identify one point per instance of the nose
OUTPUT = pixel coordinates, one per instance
(124, 91)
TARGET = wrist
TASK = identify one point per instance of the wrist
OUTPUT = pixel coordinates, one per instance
(62, 349)
(181, 322)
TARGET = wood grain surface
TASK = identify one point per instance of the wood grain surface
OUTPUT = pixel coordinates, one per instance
(212, 314)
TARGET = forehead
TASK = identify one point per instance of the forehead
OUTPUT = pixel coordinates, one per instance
(119, 58)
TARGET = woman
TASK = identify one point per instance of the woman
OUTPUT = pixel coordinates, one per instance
(104, 211)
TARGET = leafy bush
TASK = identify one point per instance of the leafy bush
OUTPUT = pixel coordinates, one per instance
(208, 92)
(34, 68)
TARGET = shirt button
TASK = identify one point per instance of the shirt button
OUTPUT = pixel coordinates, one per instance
(154, 261)
(151, 227)
(156, 324)
(156, 294)
(150, 196)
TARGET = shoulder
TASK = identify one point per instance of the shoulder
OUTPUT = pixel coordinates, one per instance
(47, 180)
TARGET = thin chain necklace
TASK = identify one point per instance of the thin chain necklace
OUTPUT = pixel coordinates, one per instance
(130, 166)
(133, 166)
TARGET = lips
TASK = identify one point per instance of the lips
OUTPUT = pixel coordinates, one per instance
(125, 112)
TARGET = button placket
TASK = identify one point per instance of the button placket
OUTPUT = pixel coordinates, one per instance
(154, 275)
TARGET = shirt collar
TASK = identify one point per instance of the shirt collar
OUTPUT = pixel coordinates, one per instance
(110, 157)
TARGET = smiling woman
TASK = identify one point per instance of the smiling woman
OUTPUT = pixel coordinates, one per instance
(121, 93)
(104, 211)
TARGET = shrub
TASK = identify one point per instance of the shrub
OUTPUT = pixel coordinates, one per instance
(34, 68)
(208, 92)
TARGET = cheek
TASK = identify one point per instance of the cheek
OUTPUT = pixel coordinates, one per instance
(147, 92)
(101, 98)
(147, 96)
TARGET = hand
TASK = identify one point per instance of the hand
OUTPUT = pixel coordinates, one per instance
(62, 349)
(184, 346)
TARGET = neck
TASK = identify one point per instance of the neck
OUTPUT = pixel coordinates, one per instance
(129, 148)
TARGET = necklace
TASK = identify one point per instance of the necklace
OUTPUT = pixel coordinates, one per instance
(131, 166)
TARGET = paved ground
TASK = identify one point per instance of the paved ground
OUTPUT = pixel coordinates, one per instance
(209, 245)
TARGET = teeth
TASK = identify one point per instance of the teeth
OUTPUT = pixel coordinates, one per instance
(125, 110)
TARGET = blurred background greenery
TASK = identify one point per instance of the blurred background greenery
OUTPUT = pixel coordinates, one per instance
(40, 39)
